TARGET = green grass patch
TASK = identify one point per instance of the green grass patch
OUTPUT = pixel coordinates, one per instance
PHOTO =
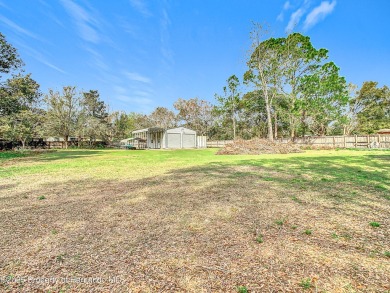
(375, 224)
(259, 239)
(7, 155)
(242, 289)
(306, 283)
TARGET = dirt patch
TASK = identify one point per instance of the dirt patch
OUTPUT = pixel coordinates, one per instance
(257, 146)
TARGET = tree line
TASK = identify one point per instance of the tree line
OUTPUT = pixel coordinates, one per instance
(289, 89)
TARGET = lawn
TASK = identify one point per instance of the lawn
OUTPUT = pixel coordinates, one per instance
(189, 220)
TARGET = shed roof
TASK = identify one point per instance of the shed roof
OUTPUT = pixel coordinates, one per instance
(181, 129)
(150, 129)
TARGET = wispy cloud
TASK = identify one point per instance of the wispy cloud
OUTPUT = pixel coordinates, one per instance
(40, 57)
(318, 14)
(128, 28)
(294, 19)
(97, 59)
(141, 7)
(166, 50)
(134, 76)
(137, 100)
(18, 29)
(286, 6)
(87, 24)
(136, 103)
(3, 5)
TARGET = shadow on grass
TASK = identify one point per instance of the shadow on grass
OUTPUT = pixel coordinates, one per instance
(70, 154)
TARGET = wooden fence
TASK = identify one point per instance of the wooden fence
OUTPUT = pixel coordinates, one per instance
(218, 143)
(351, 141)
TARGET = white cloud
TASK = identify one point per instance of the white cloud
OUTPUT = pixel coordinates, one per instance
(134, 76)
(286, 6)
(318, 14)
(294, 20)
(51, 65)
(87, 24)
(98, 61)
(140, 6)
(280, 16)
(142, 93)
(136, 100)
(166, 50)
(18, 29)
(120, 89)
(40, 57)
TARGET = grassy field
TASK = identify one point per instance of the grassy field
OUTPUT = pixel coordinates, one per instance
(189, 220)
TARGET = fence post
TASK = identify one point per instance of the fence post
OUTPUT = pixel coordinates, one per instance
(368, 141)
(334, 142)
(355, 141)
(345, 144)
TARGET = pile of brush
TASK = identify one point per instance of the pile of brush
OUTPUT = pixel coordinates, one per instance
(257, 146)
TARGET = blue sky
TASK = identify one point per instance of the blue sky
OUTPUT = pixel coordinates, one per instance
(143, 54)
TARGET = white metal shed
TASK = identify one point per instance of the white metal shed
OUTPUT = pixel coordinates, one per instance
(179, 138)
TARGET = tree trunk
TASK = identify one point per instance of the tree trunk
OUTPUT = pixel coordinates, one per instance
(276, 125)
(292, 133)
(269, 120)
(234, 127)
(23, 141)
(303, 123)
(270, 133)
(66, 141)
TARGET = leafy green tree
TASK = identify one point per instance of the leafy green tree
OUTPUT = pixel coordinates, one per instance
(313, 87)
(264, 72)
(9, 57)
(119, 126)
(92, 121)
(254, 116)
(324, 96)
(229, 103)
(346, 123)
(93, 105)
(22, 126)
(19, 97)
(374, 104)
(293, 79)
(17, 94)
(63, 112)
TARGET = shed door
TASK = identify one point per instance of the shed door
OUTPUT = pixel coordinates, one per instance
(189, 140)
(174, 140)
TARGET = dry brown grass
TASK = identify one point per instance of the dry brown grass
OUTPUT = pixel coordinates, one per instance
(192, 229)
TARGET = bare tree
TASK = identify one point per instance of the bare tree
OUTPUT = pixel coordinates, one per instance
(163, 117)
(263, 67)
